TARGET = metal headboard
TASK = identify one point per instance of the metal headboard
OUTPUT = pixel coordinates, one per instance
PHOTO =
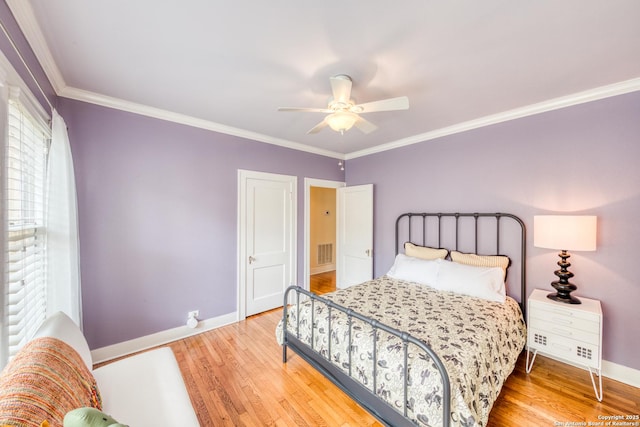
(431, 229)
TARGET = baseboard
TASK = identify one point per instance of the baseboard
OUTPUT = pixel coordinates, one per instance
(125, 348)
(323, 269)
(611, 370)
(616, 372)
(621, 373)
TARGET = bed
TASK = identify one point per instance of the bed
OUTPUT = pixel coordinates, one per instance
(431, 342)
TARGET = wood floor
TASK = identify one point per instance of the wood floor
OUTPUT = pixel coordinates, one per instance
(235, 377)
(322, 283)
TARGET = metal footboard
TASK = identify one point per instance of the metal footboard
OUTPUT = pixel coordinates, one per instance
(367, 398)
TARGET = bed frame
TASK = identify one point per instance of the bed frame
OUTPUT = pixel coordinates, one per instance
(466, 232)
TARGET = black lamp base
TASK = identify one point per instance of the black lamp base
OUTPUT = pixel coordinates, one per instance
(563, 286)
(565, 299)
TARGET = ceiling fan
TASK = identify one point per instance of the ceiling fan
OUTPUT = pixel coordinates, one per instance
(343, 112)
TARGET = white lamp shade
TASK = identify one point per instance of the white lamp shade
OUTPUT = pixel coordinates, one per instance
(342, 121)
(565, 232)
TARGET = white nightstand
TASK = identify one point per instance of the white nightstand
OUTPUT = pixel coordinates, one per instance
(568, 332)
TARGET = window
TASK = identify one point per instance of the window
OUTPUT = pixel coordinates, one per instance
(25, 296)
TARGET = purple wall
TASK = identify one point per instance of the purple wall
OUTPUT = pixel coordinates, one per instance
(581, 159)
(157, 204)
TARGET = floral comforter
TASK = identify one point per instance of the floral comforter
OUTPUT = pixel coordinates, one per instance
(477, 340)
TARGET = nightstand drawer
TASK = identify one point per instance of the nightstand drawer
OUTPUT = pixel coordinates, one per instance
(547, 311)
(571, 350)
(571, 333)
(588, 332)
(559, 318)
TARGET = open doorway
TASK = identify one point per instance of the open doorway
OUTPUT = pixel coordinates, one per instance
(323, 227)
(322, 239)
(351, 232)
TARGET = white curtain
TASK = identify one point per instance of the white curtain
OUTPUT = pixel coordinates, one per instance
(63, 263)
(4, 288)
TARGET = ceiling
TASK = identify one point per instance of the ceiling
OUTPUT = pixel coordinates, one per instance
(228, 66)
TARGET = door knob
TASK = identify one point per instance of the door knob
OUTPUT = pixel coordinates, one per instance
(251, 259)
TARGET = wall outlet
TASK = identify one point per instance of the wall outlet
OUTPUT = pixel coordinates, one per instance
(194, 313)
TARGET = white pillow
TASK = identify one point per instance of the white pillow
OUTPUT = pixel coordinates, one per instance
(481, 282)
(416, 270)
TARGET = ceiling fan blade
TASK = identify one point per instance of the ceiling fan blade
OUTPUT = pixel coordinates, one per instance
(341, 88)
(400, 103)
(365, 126)
(317, 128)
(305, 110)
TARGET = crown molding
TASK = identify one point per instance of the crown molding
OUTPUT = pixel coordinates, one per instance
(23, 13)
(595, 94)
(157, 113)
(26, 19)
(590, 95)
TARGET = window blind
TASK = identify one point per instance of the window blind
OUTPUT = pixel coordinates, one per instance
(25, 272)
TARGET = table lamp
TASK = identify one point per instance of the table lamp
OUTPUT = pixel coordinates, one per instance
(564, 232)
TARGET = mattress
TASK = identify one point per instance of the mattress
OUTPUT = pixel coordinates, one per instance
(477, 340)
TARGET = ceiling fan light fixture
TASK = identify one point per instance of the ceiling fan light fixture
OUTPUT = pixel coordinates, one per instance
(343, 112)
(341, 121)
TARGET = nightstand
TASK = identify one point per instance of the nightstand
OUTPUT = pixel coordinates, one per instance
(571, 333)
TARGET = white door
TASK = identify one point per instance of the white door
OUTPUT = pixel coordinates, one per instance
(267, 236)
(355, 235)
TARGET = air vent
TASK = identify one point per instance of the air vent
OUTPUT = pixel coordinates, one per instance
(540, 339)
(583, 352)
(325, 253)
